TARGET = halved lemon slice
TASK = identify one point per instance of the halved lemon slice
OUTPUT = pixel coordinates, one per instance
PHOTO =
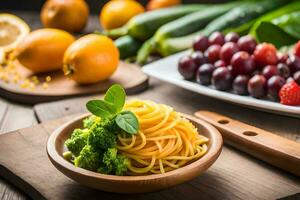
(12, 31)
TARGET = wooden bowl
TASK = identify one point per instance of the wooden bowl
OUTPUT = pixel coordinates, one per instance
(132, 184)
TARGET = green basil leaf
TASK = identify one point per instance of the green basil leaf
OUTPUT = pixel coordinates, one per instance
(101, 108)
(116, 96)
(268, 32)
(128, 122)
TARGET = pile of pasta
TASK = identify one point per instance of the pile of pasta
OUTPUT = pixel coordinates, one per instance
(165, 141)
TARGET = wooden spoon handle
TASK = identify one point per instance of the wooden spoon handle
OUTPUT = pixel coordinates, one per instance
(266, 146)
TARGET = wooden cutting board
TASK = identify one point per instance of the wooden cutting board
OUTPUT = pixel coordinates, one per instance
(61, 87)
(24, 162)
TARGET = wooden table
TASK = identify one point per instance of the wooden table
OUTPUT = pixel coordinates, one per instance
(229, 177)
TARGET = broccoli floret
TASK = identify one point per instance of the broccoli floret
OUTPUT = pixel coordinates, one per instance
(103, 135)
(88, 159)
(77, 141)
(89, 121)
(113, 163)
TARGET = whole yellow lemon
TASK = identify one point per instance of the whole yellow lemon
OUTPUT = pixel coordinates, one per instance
(68, 15)
(90, 59)
(43, 50)
(116, 13)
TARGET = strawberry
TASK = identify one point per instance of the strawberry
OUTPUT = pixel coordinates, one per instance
(290, 94)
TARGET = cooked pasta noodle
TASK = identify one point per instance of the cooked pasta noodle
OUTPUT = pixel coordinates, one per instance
(165, 141)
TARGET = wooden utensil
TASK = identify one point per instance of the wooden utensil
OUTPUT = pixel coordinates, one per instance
(132, 184)
(61, 87)
(271, 148)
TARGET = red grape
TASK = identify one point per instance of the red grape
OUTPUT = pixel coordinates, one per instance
(283, 70)
(269, 71)
(204, 74)
(265, 54)
(232, 37)
(220, 63)
(227, 51)
(187, 67)
(294, 63)
(199, 58)
(213, 53)
(274, 85)
(216, 38)
(242, 63)
(240, 84)
(282, 58)
(297, 77)
(247, 43)
(201, 43)
(257, 86)
(222, 79)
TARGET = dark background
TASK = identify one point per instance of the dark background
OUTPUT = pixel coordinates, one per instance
(95, 5)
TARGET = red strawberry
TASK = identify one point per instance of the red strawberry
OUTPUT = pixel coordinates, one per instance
(290, 94)
(297, 49)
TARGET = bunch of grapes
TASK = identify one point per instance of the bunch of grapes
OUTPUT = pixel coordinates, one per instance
(238, 64)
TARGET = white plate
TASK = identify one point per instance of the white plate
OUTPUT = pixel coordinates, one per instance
(166, 70)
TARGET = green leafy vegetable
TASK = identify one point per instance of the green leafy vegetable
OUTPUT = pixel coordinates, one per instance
(116, 96)
(111, 107)
(77, 141)
(268, 32)
(88, 159)
(128, 122)
(101, 108)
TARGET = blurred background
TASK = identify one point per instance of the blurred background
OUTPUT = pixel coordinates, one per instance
(95, 5)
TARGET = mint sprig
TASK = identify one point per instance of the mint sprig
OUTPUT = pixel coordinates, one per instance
(111, 108)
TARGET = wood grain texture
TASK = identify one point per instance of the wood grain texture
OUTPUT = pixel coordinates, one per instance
(62, 87)
(266, 146)
(9, 116)
(187, 102)
(233, 176)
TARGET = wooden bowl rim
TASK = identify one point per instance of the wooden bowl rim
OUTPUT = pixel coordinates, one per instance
(58, 160)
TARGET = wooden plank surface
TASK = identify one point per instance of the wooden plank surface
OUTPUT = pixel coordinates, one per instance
(12, 117)
(233, 176)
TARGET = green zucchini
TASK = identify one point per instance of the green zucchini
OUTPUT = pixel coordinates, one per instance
(128, 46)
(240, 16)
(143, 26)
(183, 26)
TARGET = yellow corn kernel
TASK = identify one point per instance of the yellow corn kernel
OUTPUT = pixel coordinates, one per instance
(45, 86)
(48, 78)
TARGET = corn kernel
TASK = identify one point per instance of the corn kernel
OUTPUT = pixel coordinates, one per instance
(48, 78)
(45, 86)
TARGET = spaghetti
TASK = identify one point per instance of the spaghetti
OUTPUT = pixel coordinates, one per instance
(165, 141)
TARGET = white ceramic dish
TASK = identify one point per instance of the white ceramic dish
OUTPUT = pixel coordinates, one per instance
(166, 70)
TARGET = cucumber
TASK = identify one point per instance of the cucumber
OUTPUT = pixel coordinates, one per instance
(128, 46)
(144, 25)
(183, 26)
(240, 16)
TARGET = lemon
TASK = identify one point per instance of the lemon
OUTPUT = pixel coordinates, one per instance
(90, 59)
(12, 31)
(42, 50)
